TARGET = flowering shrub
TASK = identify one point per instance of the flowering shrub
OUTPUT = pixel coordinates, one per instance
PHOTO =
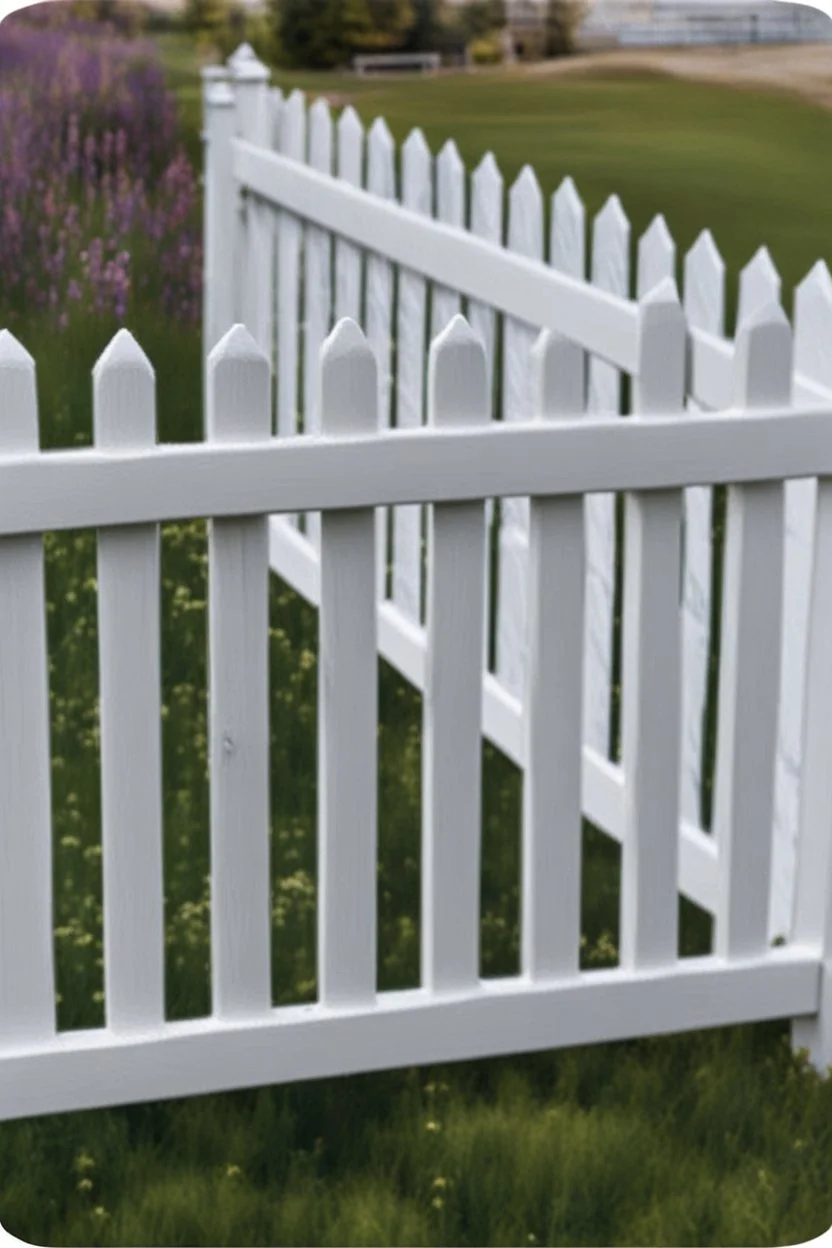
(98, 201)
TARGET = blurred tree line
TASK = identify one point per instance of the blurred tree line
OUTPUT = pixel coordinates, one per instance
(327, 34)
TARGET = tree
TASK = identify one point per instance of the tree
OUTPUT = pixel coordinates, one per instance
(207, 18)
(424, 32)
(322, 34)
(561, 23)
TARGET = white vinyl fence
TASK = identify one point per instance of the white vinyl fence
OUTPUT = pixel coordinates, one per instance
(127, 485)
(329, 224)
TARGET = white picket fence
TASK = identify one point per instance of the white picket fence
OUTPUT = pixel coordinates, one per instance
(309, 251)
(241, 476)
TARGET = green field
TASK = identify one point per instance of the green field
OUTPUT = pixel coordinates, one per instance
(751, 168)
(721, 1138)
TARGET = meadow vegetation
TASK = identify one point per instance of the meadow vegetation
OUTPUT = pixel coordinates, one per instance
(721, 1138)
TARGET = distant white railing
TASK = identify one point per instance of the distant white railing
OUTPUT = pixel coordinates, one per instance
(319, 236)
(425, 61)
(128, 484)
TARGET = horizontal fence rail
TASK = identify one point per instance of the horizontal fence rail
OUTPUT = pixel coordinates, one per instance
(509, 283)
(87, 488)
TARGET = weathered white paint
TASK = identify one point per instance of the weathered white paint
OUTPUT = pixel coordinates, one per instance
(452, 705)
(238, 617)
(124, 415)
(347, 696)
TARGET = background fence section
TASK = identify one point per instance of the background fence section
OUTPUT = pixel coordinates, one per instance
(323, 273)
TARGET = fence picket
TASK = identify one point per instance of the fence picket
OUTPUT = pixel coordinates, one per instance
(656, 257)
(749, 685)
(525, 236)
(487, 222)
(124, 416)
(317, 296)
(350, 165)
(347, 695)
(812, 335)
(220, 209)
(381, 180)
(451, 745)
(27, 975)
(552, 812)
(611, 272)
(238, 617)
(759, 286)
(567, 239)
(293, 146)
(253, 269)
(811, 914)
(450, 208)
(417, 195)
(704, 304)
(651, 662)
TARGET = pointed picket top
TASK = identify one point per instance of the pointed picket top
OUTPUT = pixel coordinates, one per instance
(417, 173)
(450, 186)
(611, 248)
(558, 377)
(381, 160)
(124, 395)
(763, 358)
(18, 397)
(525, 215)
(704, 275)
(245, 52)
(813, 326)
(611, 218)
(239, 387)
(350, 159)
(457, 380)
(320, 136)
(567, 244)
(293, 126)
(656, 256)
(661, 373)
(487, 200)
(251, 69)
(348, 381)
(759, 285)
(13, 355)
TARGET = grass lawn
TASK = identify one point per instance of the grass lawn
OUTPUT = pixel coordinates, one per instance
(720, 1138)
(751, 168)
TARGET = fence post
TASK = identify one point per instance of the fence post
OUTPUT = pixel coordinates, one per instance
(219, 218)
